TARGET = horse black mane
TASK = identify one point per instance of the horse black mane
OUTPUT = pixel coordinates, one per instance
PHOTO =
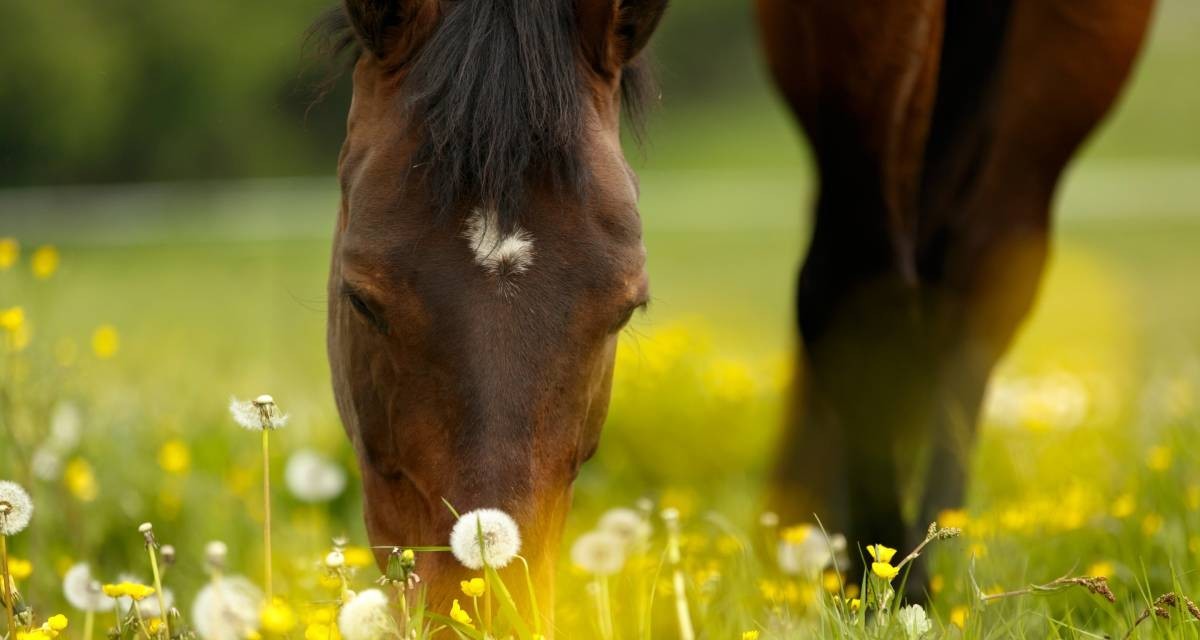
(497, 97)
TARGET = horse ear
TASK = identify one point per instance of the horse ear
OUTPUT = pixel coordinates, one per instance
(616, 31)
(382, 24)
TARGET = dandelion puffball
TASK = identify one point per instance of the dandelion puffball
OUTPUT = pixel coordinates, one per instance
(227, 609)
(312, 477)
(258, 414)
(83, 591)
(16, 508)
(626, 524)
(500, 544)
(913, 621)
(367, 617)
(600, 552)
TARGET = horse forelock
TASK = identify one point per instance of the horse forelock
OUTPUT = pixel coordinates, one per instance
(496, 97)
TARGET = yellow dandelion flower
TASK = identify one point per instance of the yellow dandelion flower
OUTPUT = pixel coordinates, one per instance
(317, 632)
(936, 584)
(459, 615)
(750, 635)
(358, 557)
(80, 480)
(474, 587)
(19, 569)
(57, 622)
(277, 618)
(855, 605)
(44, 262)
(105, 341)
(10, 252)
(796, 534)
(1152, 524)
(880, 553)
(884, 570)
(831, 581)
(1123, 506)
(113, 590)
(1100, 570)
(769, 590)
(958, 616)
(955, 518)
(154, 625)
(1159, 458)
(852, 590)
(174, 457)
(137, 591)
(12, 319)
(977, 550)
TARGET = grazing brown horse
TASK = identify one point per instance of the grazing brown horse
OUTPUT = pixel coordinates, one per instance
(940, 129)
(488, 250)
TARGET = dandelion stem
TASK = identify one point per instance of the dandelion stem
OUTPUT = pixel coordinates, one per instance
(604, 607)
(137, 612)
(686, 631)
(266, 456)
(533, 605)
(89, 624)
(7, 577)
(162, 603)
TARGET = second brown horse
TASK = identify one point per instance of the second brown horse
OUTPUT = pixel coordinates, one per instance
(940, 129)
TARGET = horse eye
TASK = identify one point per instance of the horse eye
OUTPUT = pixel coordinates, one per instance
(365, 311)
(627, 316)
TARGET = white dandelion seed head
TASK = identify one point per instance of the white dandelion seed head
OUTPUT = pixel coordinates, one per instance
(215, 553)
(335, 559)
(768, 519)
(501, 539)
(599, 552)
(66, 424)
(809, 556)
(312, 477)
(227, 609)
(626, 524)
(16, 508)
(367, 617)
(46, 464)
(83, 592)
(256, 416)
(913, 621)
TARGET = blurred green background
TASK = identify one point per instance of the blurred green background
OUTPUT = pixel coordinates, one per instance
(169, 151)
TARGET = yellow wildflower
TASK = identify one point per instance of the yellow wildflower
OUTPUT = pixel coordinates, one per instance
(459, 615)
(977, 550)
(358, 557)
(1151, 524)
(153, 625)
(44, 262)
(936, 584)
(105, 341)
(880, 553)
(1159, 458)
(19, 569)
(277, 617)
(884, 570)
(57, 622)
(855, 605)
(958, 616)
(1100, 570)
(955, 518)
(1124, 506)
(831, 581)
(10, 251)
(796, 534)
(132, 590)
(12, 321)
(474, 587)
(316, 632)
(81, 480)
(174, 457)
(750, 635)
(408, 556)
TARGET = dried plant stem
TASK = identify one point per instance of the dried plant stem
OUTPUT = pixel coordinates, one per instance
(266, 456)
(162, 602)
(1098, 586)
(1160, 608)
(7, 578)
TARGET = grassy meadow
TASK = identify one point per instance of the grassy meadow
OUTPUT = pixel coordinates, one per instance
(159, 302)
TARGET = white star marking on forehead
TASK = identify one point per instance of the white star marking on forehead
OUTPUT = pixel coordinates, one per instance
(501, 256)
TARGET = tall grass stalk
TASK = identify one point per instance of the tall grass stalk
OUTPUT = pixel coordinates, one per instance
(266, 456)
(7, 577)
(679, 584)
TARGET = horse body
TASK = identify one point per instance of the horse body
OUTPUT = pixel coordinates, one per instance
(940, 130)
